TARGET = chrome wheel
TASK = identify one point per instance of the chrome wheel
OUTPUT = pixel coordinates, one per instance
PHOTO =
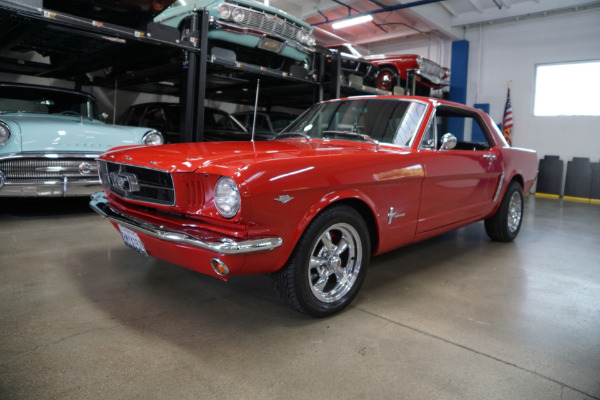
(335, 262)
(515, 212)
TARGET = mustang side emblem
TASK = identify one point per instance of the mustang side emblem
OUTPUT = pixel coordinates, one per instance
(125, 181)
(284, 198)
(391, 215)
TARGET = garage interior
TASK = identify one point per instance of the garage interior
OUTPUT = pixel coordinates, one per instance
(453, 317)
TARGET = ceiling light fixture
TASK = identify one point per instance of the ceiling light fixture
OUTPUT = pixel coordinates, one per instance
(352, 21)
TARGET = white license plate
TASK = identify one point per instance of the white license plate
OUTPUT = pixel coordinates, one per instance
(132, 240)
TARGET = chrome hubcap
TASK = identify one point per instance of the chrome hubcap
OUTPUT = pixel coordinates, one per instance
(335, 262)
(515, 212)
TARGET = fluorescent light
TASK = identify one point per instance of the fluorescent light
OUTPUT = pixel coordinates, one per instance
(352, 21)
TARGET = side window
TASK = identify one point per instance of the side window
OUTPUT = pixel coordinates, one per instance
(466, 126)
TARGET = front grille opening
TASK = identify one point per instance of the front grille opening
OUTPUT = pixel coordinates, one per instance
(138, 183)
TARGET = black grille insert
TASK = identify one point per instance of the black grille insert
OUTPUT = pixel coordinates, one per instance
(138, 183)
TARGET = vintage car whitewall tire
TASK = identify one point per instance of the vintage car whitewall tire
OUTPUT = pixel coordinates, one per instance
(505, 225)
(328, 265)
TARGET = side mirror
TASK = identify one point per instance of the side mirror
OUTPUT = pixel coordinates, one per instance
(448, 142)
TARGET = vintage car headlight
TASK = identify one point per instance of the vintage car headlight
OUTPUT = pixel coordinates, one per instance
(153, 138)
(238, 15)
(224, 11)
(227, 197)
(302, 36)
(311, 41)
(4, 132)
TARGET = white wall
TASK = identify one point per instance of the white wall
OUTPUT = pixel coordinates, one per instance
(510, 52)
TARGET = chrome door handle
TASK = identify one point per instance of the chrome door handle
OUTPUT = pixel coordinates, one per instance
(490, 157)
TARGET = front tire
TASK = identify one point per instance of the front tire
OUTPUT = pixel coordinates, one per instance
(504, 226)
(328, 265)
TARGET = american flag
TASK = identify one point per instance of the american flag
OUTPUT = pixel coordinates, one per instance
(507, 122)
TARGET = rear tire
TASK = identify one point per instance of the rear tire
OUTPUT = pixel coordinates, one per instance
(504, 226)
(328, 265)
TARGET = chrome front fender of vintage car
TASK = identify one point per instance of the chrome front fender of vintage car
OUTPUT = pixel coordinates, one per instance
(99, 203)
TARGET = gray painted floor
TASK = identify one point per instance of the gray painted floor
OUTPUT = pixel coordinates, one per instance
(455, 317)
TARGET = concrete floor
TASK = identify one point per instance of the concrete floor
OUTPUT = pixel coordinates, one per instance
(455, 317)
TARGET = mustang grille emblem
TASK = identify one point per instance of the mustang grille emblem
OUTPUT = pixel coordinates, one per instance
(125, 181)
(284, 199)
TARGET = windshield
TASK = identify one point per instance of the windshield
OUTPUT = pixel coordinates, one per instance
(391, 121)
(46, 101)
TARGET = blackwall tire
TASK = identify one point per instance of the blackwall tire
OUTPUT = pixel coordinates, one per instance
(328, 265)
(386, 78)
(504, 226)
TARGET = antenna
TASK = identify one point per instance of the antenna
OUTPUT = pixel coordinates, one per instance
(255, 106)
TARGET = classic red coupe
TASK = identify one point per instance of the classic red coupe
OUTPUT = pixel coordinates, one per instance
(394, 69)
(349, 179)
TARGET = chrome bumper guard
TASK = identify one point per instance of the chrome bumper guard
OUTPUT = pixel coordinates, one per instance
(99, 204)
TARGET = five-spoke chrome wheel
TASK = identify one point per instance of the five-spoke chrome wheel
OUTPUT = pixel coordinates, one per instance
(504, 226)
(335, 262)
(328, 265)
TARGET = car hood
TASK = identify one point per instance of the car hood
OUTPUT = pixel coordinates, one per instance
(230, 158)
(34, 133)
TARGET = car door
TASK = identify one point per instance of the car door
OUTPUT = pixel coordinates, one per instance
(460, 183)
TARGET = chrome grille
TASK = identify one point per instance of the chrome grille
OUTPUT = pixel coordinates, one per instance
(138, 183)
(270, 23)
(430, 68)
(27, 169)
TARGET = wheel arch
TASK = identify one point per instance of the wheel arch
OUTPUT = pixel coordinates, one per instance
(362, 204)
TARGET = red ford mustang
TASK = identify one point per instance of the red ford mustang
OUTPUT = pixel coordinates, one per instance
(349, 179)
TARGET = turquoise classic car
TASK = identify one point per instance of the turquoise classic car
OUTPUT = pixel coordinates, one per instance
(50, 138)
(249, 24)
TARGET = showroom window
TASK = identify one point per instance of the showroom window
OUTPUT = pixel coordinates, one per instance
(567, 89)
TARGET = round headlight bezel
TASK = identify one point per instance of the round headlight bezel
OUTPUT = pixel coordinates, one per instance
(238, 15)
(302, 36)
(227, 197)
(4, 133)
(224, 11)
(153, 138)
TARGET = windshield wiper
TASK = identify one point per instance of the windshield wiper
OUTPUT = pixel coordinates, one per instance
(362, 136)
(292, 134)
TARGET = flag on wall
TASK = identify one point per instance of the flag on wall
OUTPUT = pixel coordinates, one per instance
(507, 122)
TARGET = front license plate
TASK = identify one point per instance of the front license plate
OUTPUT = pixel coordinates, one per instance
(271, 44)
(132, 240)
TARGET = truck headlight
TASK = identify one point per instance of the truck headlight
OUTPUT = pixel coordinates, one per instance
(153, 138)
(4, 133)
(227, 197)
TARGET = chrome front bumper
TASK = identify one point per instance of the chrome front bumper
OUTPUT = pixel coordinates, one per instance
(226, 246)
(49, 188)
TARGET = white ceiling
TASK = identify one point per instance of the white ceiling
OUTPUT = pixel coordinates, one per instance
(445, 19)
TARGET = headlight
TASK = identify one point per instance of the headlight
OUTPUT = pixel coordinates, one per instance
(4, 133)
(224, 11)
(153, 138)
(238, 15)
(302, 36)
(227, 197)
(311, 40)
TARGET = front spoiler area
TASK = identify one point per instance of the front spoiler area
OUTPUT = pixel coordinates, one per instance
(99, 203)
